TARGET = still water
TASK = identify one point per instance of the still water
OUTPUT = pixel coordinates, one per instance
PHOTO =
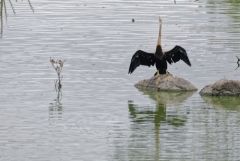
(101, 115)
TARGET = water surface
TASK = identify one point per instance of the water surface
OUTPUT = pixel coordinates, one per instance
(101, 115)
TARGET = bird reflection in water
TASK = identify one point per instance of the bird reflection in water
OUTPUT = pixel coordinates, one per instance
(147, 114)
(159, 114)
(165, 114)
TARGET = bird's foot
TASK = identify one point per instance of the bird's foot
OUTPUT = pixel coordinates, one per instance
(156, 74)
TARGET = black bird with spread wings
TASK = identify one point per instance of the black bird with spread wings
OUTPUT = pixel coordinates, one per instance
(159, 58)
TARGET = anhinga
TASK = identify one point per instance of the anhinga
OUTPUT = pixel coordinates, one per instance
(160, 58)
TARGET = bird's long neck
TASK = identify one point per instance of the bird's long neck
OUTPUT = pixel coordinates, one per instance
(159, 52)
(160, 32)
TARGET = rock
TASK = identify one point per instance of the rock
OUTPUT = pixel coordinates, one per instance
(166, 82)
(222, 88)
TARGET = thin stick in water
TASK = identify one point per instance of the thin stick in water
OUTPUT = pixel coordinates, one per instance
(5, 8)
(12, 6)
(1, 17)
(30, 4)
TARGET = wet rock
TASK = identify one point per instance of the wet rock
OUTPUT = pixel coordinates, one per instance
(166, 82)
(222, 88)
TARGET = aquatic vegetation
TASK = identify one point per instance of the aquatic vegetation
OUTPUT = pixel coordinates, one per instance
(58, 67)
(4, 9)
(56, 106)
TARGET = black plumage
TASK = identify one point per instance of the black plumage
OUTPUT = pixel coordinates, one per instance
(159, 58)
(141, 58)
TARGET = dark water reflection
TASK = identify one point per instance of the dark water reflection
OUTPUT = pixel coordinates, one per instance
(158, 114)
(101, 115)
(149, 124)
(171, 127)
(229, 103)
(56, 107)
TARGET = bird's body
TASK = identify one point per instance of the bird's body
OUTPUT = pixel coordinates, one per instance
(161, 63)
(159, 58)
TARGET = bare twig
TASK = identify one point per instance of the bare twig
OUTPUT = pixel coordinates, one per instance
(12, 6)
(30, 4)
(3, 10)
(58, 66)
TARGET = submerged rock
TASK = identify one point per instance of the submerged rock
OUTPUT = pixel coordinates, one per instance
(222, 88)
(166, 82)
(227, 102)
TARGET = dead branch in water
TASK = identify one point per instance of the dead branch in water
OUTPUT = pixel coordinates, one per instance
(3, 11)
(58, 67)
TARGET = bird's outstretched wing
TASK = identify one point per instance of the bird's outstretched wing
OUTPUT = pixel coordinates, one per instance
(141, 58)
(176, 54)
